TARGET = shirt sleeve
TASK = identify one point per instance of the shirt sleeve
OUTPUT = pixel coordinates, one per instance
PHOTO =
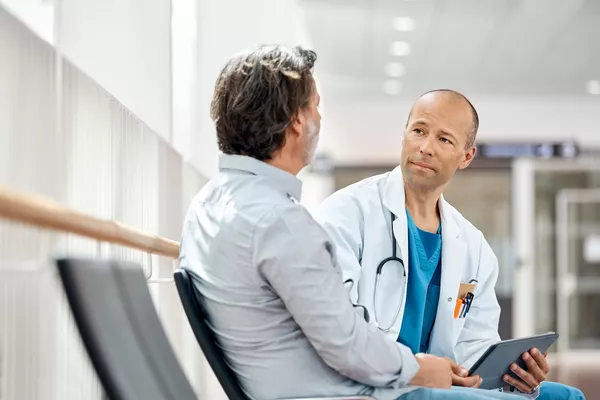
(295, 257)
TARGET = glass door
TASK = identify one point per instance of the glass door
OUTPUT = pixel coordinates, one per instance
(556, 218)
(578, 268)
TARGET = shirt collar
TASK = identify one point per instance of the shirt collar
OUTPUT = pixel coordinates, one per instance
(283, 180)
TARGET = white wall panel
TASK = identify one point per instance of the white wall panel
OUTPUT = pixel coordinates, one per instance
(225, 28)
(124, 45)
(27, 108)
(37, 15)
(104, 161)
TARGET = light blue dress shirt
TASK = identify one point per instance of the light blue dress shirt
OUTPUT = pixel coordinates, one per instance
(274, 294)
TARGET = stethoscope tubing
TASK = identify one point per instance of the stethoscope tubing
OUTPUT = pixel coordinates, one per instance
(395, 258)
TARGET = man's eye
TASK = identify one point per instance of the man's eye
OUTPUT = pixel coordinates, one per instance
(418, 131)
(445, 140)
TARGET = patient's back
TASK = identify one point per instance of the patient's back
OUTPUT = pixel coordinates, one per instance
(264, 346)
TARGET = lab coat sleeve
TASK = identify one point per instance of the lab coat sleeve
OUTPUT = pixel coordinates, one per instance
(341, 217)
(294, 257)
(481, 325)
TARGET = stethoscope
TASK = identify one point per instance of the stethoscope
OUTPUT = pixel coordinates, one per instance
(393, 258)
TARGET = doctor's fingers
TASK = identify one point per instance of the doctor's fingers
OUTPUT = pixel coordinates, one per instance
(536, 366)
(528, 381)
(540, 360)
(519, 384)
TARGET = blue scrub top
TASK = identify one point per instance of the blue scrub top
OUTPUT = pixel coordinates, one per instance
(424, 253)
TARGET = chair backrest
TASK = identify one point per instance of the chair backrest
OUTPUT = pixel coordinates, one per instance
(192, 304)
(121, 331)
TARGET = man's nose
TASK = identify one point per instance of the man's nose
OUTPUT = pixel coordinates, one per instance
(427, 146)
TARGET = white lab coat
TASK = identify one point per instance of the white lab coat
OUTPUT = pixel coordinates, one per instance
(358, 220)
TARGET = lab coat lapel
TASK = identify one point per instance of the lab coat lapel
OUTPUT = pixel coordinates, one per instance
(446, 328)
(394, 201)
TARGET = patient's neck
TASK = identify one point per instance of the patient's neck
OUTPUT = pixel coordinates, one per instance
(286, 160)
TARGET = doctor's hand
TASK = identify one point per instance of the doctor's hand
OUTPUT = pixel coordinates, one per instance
(460, 376)
(537, 369)
(434, 372)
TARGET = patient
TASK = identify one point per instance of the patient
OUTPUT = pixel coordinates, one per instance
(267, 270)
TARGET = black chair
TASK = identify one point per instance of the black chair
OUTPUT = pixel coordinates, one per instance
(121, 331)
(191, 300)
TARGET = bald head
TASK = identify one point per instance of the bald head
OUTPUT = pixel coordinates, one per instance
(455, 98)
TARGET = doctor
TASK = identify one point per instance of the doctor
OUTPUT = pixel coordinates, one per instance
(430, 284)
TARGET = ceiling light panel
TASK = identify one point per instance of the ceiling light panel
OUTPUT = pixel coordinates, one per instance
(395, 70)
(400, 48)
(404, 24)
(593, 88)
(392, 87)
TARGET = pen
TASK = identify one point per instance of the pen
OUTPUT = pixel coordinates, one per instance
(469, 301)
(457, 308)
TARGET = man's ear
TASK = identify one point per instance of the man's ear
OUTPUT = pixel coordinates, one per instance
(468, 157)
(297, 123)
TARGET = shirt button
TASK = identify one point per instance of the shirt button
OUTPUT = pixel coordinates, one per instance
(449, 299)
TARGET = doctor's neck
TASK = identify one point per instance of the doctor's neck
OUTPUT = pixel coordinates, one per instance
(423, 204)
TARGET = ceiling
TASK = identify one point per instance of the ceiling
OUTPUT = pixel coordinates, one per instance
(480, 47)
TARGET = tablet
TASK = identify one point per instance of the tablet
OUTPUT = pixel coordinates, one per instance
(496, 361)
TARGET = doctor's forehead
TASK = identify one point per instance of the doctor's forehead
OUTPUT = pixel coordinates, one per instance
(441, 106)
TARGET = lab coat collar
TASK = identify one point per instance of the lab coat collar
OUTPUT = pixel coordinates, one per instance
(394, 199)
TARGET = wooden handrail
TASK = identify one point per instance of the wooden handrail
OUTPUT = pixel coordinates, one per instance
(46, 213)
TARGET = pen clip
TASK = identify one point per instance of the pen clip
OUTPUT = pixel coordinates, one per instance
(469, 297)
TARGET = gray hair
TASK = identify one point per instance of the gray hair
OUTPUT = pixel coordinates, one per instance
(256, 97)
